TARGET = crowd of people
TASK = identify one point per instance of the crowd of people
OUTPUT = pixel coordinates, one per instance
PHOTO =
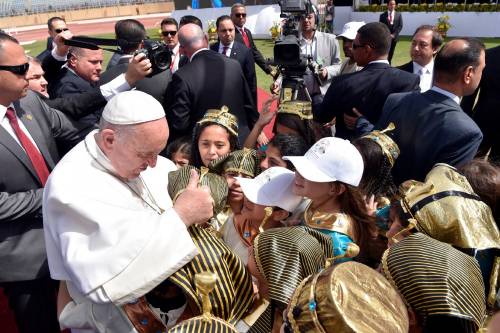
(138, 200)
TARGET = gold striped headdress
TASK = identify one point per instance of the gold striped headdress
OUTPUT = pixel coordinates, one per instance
(436, 279)
(389, 147)
(221, 117)
(302, 109)
(285, 256)
(233, 291)
(179, 179)
(244, 161)
(207, 322)
(348, 297)
(446, 208)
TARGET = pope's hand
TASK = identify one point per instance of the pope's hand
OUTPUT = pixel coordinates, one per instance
(194, 205)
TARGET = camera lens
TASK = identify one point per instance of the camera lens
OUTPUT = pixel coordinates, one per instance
(162, 59)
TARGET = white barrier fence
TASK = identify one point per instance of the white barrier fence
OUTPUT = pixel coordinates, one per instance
(261, 18)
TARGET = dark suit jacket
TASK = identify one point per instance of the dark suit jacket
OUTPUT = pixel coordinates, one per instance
(365, 90)
(397, 23)
(486, 112)
(244, 56)
(209, 81)
(80, 105)
(22, 245)
(408, 67)
(67, 84)
(430, 128)
(47, 51)
(257, 56)
(156, 85)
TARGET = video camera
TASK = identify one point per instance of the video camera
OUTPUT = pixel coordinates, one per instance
(158, 54)
(287, 54)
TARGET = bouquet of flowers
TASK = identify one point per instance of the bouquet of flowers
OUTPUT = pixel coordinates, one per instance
(443, 25)
(275, 30)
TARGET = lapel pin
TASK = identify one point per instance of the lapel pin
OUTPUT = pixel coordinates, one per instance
(29, 117)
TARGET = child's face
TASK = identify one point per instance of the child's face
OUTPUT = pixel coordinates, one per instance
(312, 190)
(180, 159)
(272, 158)
(252, 211)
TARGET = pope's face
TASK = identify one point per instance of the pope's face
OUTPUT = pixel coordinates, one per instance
(136, 148)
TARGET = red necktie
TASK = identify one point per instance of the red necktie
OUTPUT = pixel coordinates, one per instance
(34, 155)
(224, 50)
(390, 17)
(245, 38)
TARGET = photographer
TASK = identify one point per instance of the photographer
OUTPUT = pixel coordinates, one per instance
(131, 35)
(323, 48)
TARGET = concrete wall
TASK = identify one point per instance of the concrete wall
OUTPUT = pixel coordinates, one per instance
(87, 14)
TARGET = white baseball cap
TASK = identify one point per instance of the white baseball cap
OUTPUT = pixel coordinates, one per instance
(328, 160)
(351, 29)
(272, 187)
(132, 107)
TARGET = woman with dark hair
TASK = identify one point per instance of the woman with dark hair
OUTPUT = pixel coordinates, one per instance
(484, 177)
(329, 174)
(215, 135)
(379, 153)
(179, 151)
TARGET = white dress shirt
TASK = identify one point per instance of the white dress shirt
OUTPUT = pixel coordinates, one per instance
(425, 73)
(447, 93)
(175, 60)
(228, 50)
(6, 125)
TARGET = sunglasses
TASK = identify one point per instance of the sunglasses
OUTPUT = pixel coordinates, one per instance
(18, 70)
(240, 15)
(168, 33)
(61, 30)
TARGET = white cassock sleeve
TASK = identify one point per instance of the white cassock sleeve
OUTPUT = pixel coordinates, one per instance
(104, 239)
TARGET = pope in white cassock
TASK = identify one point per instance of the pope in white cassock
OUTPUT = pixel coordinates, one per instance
(111, 231)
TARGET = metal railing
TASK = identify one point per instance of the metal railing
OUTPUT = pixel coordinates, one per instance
(26, 7)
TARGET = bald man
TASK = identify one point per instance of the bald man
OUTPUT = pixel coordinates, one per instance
(209, 81)
(431, 127)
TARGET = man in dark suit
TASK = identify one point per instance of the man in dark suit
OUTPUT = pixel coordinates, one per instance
(425, 43)
(28, 133)
(56, 25)
(486, 111)
(88, 102)
(244, 36)
(80, 73)
(431, 127)
(209, 81)
(235, 50)
(132, 34)
(394, 21)
(366, 90)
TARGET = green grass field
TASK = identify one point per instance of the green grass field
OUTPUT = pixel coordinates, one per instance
(401, 55)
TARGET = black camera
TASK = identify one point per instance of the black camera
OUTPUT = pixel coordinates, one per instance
(158, 54)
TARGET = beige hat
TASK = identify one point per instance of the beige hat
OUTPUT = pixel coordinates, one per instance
(132, 107)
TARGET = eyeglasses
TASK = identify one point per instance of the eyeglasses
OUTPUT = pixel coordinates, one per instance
(168, 33)
(61, 30)
(240, 14)
(18, 69)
